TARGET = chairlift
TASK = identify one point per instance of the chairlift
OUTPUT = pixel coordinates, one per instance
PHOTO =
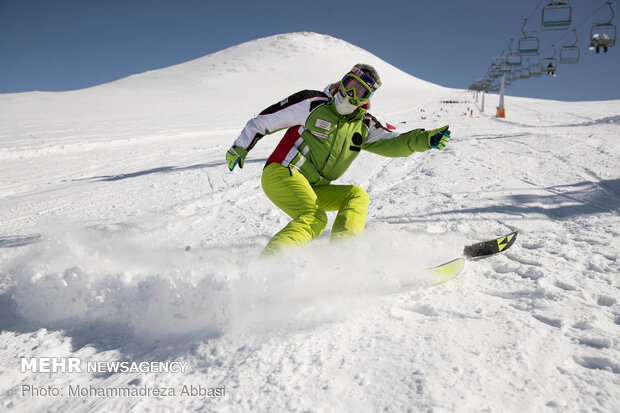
(524, 73)
(570, 54)
(550, 64)
(556, 15)
(535, 69)
(514, 58)
(499, 63)
(603, 34)
(493, 72)
(528, 45)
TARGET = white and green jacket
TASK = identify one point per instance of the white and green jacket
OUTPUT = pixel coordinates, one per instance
(322, 144)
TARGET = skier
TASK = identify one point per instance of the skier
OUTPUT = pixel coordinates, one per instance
(326, 132)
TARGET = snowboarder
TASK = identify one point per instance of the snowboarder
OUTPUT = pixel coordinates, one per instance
(326, 132)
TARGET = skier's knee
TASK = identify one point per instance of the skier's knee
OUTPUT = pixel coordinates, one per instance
(359, 196)
(318, 222)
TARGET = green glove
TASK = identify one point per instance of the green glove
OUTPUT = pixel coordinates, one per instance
(235, 155)
(439, 138)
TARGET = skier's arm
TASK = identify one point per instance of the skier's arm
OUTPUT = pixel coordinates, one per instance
(385, 142)
(293, 110)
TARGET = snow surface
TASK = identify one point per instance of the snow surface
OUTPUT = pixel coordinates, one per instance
(124, 237)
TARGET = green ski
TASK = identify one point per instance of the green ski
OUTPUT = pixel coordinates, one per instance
(444, 272)
(449, 270)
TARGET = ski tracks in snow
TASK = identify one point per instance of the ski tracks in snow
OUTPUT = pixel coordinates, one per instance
(534, 329)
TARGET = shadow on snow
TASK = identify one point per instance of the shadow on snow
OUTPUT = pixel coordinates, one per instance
(161, 170)
(562, 202)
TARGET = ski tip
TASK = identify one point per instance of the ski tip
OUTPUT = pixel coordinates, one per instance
(444, 272)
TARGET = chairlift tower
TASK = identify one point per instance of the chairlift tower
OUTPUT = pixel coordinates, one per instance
(501, 111)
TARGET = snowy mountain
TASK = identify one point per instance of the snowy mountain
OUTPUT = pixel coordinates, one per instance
(124, 237)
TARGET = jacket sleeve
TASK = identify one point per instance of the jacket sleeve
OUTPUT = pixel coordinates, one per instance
(292, 111)
(385, 142)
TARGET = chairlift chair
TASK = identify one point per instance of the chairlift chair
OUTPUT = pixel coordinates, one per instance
(510, 77)
(603, 34)
(535, 69)
(493, 72)
(500, 64)
(570, 54)
(524, 73)
(596, 38)
(528, 45)
(514, 58)
(550, 64)
(556, 15)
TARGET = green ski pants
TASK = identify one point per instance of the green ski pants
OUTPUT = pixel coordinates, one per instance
(306, 205)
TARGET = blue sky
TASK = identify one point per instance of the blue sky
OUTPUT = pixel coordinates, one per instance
(55, 45)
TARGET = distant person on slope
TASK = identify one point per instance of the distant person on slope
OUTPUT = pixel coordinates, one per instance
(326, 132)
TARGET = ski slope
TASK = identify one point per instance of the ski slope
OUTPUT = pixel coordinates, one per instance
(124, 237)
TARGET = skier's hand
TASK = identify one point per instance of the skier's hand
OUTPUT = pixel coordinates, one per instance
(439, 138)
(235, 155)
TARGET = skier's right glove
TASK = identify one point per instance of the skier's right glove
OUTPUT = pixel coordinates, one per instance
(235, 155)
(439, 138)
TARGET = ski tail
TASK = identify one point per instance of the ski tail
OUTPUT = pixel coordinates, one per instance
(490, 247)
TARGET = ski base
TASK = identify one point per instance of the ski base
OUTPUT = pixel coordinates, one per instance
(444, 272)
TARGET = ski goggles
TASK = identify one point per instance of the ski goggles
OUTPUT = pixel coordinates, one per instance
(358, 87)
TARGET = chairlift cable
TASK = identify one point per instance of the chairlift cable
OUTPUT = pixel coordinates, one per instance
(529, 18)
(607, 2)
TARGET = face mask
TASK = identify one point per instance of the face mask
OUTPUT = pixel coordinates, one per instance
(343, 106)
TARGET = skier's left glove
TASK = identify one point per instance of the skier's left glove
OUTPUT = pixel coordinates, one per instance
(235, 155)
(439, 138)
